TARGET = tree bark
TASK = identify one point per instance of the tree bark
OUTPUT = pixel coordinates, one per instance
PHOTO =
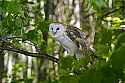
(1, 64)
(1, 51)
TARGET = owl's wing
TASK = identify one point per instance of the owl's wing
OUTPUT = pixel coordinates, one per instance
(78, 37)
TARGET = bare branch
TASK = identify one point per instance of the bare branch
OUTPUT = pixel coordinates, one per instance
(39, 55)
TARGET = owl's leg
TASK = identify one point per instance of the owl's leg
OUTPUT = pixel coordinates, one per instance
(78, 54)
(72, 52)
(65, 52)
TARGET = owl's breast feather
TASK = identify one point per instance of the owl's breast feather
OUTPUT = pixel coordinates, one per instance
(66, 42)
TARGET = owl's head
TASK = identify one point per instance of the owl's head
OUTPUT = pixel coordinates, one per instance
(56, 28)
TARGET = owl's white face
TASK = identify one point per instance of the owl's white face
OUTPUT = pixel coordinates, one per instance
(56, 29)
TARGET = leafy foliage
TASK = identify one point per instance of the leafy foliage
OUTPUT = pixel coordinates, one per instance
(14, 18)
(107, 67)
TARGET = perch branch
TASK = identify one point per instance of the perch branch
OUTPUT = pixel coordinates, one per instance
(39, 55)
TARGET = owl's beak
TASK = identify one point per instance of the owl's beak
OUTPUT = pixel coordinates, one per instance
(54, 32)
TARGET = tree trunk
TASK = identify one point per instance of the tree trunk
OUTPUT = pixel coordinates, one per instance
(123, 9)
(1, 64)
(1, 51)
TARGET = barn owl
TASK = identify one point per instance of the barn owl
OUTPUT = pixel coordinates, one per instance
(71, 38)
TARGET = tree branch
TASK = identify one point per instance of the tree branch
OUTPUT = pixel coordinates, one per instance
(105, 14)
(39, 55)
(110, 12)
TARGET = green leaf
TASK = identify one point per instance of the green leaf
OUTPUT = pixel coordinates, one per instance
(66, 62)
(69, 79)
(32, 35)
(12, 6)
(109, 74)
(121, 39)
(118, 58)
(43, 26)
(91, 77)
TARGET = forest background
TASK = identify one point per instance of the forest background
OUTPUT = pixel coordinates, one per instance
(28, 54)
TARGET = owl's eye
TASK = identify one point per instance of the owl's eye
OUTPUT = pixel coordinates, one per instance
(57, 28)
(52, 28)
